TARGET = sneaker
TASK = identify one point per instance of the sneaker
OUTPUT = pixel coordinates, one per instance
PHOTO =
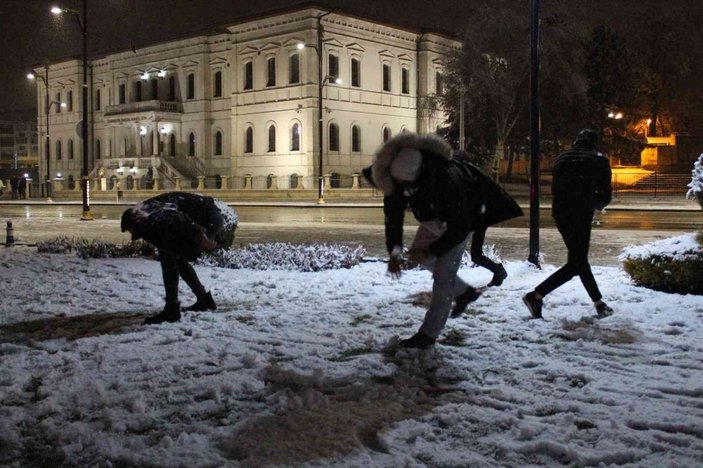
(171, 313)
(534, 304)
(464, 299)
(418, 340)
(204, 302)
(499, 276)
(603, 310)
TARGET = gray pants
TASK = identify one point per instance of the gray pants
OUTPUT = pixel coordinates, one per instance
(446, 285)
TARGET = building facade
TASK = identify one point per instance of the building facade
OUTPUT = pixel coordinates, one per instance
(241, 106)
(18, 145)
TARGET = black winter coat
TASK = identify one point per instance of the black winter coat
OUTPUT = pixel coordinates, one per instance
(580, 182)
(443, 191)
(174, 222)
(495, 205)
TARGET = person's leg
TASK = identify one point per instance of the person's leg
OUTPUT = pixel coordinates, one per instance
(187, 272)
(445, 279)
(169, 272)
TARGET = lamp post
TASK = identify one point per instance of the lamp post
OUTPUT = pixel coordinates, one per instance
(47, 143)
(82, 23)
(320, 84)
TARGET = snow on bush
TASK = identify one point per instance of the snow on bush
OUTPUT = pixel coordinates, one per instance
(695, 188)
(285, 256)
(85, 248)
(669, 265)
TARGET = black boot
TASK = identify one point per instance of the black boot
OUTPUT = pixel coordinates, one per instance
(499, 276)
(464, 299)
(534, 304)
(204, 302)
(418, 340)
(171, 313)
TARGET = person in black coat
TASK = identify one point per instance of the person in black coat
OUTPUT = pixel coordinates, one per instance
(580, 185)
(418, 171)
(495, 206)
(181, 226)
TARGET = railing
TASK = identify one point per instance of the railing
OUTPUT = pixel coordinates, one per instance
(188, 166)
(144, 106)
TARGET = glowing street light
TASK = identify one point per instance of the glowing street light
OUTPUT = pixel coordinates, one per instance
(82, 23)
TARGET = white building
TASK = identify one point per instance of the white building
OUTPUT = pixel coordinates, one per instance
(242, 104)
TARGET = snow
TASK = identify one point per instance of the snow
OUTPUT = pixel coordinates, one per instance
(287, 370)
(679, 248)
(695, 187)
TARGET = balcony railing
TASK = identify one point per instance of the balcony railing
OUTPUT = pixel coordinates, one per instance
(144, 106)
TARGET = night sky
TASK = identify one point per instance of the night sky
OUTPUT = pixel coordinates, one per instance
(31, 35)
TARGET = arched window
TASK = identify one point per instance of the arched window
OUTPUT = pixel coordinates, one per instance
(191, 86)
(249, 140)
(70, 149)
(356, 138)
(98, 149)
(295, 137)
(334, 137)
(218, 143)
(272, 139)
(191, 144)
(217, 85)
(405, 80)
(271, 72)
(249, 75)
(356, 72)
(294, 69)
(58, 150)
(172, 145)
(386, 77)
(386, 134)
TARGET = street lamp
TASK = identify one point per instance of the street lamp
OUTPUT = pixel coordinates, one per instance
(320, 84)
(82, 23)
(47, 107)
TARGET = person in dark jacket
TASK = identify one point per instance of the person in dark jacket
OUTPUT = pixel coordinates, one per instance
(495, 206)
(181, 226)
(418, 171)
(580, 185)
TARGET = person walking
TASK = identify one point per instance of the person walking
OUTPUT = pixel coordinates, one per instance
(580, 185)
(22, 188)
(419, 171)
(495, 206)
(15, 186)
(181, 226)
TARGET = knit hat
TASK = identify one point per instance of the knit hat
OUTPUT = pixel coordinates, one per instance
(406, 165)
(586, 138)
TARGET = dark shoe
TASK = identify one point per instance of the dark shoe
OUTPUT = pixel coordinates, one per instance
(534, 304)
(418, 340)
(463, 300)
(604, 310)
(204, 302)
(171, 313)
(499, 276)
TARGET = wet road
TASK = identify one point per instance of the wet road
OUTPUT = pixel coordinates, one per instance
(360, 226)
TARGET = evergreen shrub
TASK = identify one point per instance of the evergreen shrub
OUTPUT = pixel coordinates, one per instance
(673, 265)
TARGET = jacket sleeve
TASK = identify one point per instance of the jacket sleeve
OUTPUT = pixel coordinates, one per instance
(604, 188)
(394, 213)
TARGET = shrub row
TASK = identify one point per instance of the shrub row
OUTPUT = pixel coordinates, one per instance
(676, 267)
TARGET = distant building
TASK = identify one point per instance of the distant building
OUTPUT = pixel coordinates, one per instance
(674, 153)
(18, 145)
(242, 104)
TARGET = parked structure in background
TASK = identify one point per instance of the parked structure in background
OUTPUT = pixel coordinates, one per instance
(241, 107)
(18, 145)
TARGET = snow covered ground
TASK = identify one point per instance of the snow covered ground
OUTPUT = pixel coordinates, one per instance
(288, 371)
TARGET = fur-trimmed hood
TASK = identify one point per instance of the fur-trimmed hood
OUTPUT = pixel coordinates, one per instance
(429, 143)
